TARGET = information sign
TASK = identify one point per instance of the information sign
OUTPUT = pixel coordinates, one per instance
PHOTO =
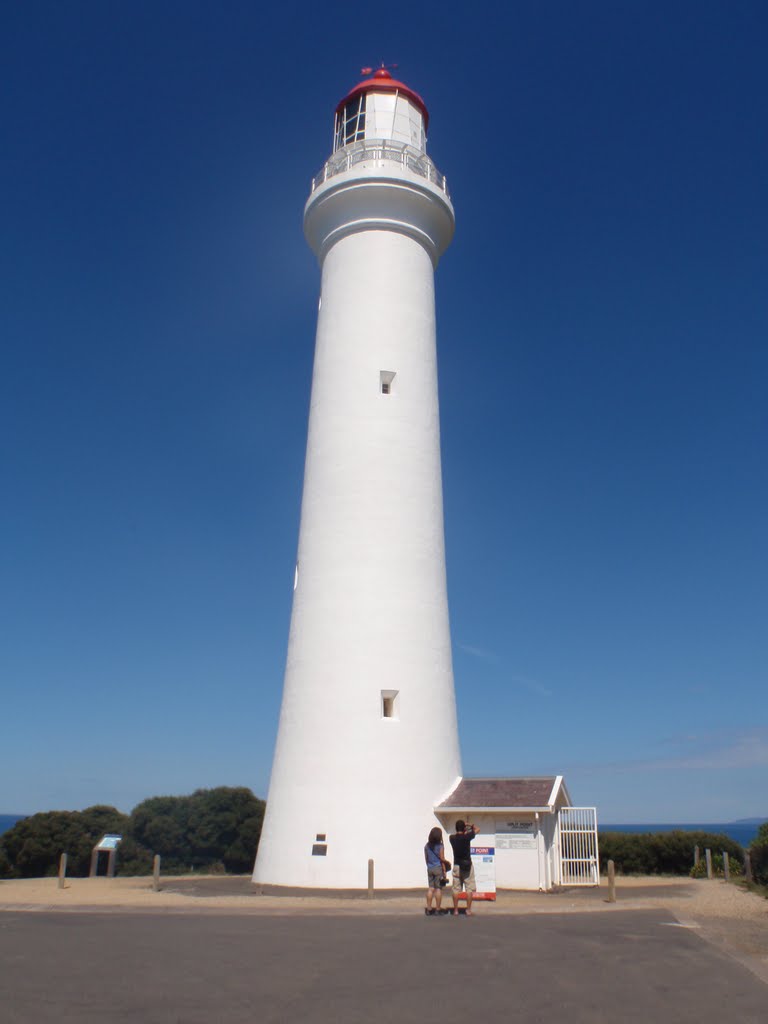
(108, 842)
(516, 835)
(483, 855)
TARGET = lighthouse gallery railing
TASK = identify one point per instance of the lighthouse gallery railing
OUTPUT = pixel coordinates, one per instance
(380, 151)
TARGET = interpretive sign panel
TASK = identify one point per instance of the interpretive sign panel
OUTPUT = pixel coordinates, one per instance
(108, 843)
(516, 835)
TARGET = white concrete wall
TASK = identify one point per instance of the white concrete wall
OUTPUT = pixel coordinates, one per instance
(528, 869)
(370, 609)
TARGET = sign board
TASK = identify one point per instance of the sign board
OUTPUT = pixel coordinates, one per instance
(108, 842)
(483, 860)
(516, 835)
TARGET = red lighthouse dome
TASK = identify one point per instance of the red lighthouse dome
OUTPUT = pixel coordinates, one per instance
(381, 107)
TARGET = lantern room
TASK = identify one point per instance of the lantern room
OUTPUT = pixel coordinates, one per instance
(380, 107)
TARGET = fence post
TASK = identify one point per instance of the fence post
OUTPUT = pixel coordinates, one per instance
(726, 866)
(156, 872)
(747, 867)
(62, 870)
(708, 856)
(696, 856)
(611, 882)
(370, 879)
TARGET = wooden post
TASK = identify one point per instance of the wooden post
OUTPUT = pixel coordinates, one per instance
(611, 882)
(370, 879)
(726, 866)
(156, 872)
(62, 870)
(747, 867)
(708, 856)
(94, 863)
(696, 856)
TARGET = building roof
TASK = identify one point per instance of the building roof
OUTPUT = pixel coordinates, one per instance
(382, 81)
(529, 792)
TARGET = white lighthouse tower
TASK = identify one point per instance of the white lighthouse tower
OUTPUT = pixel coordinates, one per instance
(367, 743)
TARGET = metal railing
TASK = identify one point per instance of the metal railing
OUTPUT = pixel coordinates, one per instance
(380, 153)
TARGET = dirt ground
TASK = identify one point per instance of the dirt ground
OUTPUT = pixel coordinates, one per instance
(734, 920)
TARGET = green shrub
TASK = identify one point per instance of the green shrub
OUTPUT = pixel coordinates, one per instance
(663, 853)
(735, 868)
(758, 856)
(212, 829)
(33, 846)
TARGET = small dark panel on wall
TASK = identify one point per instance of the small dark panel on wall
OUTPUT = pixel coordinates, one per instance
(319, 850)
(320, 837)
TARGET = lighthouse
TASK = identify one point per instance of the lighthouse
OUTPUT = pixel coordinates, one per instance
(367, 743)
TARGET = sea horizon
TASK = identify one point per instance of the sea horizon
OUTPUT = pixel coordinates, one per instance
(740, 831)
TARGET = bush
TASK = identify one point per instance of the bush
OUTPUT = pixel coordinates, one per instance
(758, 855)
(663, 853)
(33, 846)
(699, 870)
(213, 829)
(192, 833)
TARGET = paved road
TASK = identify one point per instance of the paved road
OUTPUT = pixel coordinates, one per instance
(188, 969)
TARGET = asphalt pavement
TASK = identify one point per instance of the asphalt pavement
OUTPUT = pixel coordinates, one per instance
(158, 968)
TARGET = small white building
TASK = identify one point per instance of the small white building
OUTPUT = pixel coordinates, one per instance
(529, 835)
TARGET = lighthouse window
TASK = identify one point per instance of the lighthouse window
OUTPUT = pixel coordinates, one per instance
(386, 379)
(350, 122)
(389, 703)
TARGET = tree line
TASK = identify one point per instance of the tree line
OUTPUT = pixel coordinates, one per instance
(672, 853)
(214, 830)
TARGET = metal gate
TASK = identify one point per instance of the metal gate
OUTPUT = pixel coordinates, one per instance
(577, 846)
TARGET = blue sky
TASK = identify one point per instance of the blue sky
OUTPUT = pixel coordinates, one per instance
(602, 325)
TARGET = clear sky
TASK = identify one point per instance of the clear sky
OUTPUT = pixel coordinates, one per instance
(602, 327)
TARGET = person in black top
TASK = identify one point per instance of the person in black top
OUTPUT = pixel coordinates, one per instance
(463, 870)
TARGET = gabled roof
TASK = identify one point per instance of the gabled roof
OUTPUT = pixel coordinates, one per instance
(525, 793)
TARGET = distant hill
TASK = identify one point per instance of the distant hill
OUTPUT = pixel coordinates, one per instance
(749, 821)
(9, 820)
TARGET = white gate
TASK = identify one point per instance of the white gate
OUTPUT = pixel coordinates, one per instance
(577, 852)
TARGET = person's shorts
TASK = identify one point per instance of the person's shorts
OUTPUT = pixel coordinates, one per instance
(433, 877)
(464, 879)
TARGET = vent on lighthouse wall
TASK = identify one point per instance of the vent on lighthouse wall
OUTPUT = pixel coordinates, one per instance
(389, 704)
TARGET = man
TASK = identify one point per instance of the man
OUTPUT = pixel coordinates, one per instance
(463, 869)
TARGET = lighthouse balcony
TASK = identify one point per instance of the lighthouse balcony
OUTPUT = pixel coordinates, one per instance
(381, 153)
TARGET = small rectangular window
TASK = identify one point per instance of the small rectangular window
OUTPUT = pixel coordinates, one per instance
(319, 850)
(386, 380)
(389, 708)
(320, 837)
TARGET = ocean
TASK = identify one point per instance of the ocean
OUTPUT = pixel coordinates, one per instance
(9, 820)
(741, 832)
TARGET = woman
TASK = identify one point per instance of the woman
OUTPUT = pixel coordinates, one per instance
(436, 868)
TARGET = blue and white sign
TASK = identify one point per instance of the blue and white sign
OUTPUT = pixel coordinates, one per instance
(109, 842)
